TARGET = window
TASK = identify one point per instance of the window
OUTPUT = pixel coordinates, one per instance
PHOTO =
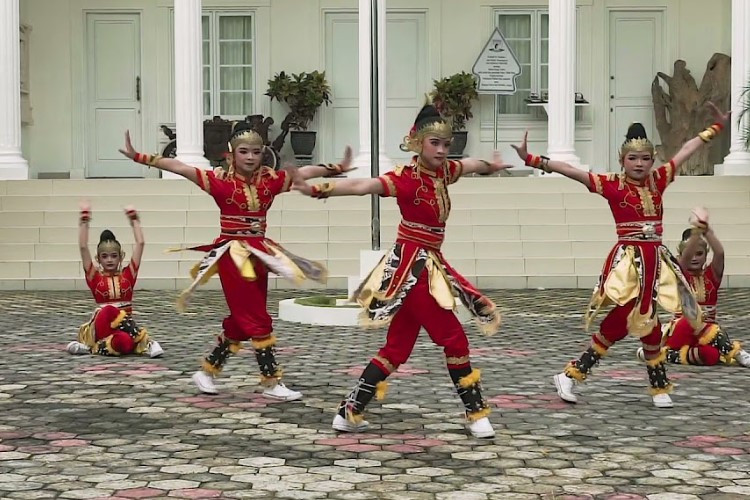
(527, 33)
(228, 64)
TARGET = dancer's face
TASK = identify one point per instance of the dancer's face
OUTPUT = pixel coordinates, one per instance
(110, 261)
(637, 164)
(434, 151)
(698, 261)
(247, 158)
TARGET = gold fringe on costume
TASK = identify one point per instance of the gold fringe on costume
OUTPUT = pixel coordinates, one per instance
(661, 390)
(709, 334)
(470, 380)
(116, 322)
(473, 417)
(684, 350)
(272, 380)
(381, 388)
(209, 368)
(355, 418)
(658, 359)
(262, 344)
(600, 350)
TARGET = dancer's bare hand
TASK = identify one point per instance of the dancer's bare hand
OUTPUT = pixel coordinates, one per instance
(699, 217)
(522, 149)
(718, 115)
(496, 164)
(84, 206)
(346, 163)
(129, 150)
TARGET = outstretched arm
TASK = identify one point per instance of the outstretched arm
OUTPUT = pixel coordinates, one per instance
(690, 147)
(83, 235)
(158, 161)
(329, 169)
(484, 167)
(717, 261)
(548, 165)
(140, 242)
(346, 187)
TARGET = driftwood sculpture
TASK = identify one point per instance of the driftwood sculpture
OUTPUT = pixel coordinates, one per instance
(681, 112)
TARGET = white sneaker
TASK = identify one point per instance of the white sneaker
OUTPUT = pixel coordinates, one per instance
(154, 350)
(76, 347)
(662, 401)
(205, 382)
(343, 425)
(481, 428)
(743, 358)
(564, 386)
(280, 391)
(640, 354)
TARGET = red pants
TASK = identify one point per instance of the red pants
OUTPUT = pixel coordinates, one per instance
(614, 327)
(121, 341)
(421, 310)
(248, 316)
(683, 335)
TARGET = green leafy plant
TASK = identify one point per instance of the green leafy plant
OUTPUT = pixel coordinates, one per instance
(453, 96)
(303, 92)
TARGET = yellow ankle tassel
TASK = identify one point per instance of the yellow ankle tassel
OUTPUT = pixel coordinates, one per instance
(263, 343)
(381, 388)
(574, 373)
(658, 359)
(661, 390)
(234, 347)
(473, 417)
(209, 368)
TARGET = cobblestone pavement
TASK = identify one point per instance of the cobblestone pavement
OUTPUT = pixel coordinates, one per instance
(134, 427)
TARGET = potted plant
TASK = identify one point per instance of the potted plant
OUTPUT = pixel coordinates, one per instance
(304, 93)
(453, 96)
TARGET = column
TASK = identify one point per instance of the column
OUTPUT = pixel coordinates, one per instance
(562, 77)
(737, 162)
(362, 160)
(12, 163)
(188, 92)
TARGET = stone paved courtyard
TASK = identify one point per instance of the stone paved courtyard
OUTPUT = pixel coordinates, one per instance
(133, 427)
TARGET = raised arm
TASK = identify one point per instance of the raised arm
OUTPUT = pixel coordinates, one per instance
(83, 235)
(690, 147)
(544, 163)
(140, 242)
(699, 220)
(484, 167)
(327, 169)
(158, 161)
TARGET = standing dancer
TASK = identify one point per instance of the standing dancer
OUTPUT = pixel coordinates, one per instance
(111, 331)
(241, 254)
(639, 272)
(413, 286)
(709, 345)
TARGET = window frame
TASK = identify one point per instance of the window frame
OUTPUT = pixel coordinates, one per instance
(214, 17)
(535, 13)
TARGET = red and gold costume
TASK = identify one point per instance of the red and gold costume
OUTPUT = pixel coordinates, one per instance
(707, 345)
(243, 256)
(111, 330)
(413, 286)
(640, 273)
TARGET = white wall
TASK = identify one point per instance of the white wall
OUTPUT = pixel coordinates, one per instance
(292, 30)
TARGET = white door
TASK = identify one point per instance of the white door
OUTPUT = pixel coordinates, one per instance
(636, 54)
(113, 94)
(407, 80)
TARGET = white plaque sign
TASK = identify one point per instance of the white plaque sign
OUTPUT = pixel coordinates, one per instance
(496, 67)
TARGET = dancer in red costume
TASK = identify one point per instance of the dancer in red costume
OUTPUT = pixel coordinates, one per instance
(413, 286)
(241, 254)
(112, 330)
(709, 345)
(639, 271)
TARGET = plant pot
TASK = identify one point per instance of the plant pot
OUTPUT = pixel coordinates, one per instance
(303, 142)
(458, 144)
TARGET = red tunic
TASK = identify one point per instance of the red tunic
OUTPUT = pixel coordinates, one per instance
(639, 260)
(422, 197)
(115, 289)
(706, 288)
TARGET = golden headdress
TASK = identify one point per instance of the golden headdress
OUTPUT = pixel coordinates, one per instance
(242, 133)
(428, 122)
(636, 141)
(108, 243)
(686, 234)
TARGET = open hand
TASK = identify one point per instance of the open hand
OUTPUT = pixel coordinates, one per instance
(84, 206)
(718, 115)
(496, 164)
(522, 149)
(346, 163)
(699, 217)
(129, 150)
(298, 183)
